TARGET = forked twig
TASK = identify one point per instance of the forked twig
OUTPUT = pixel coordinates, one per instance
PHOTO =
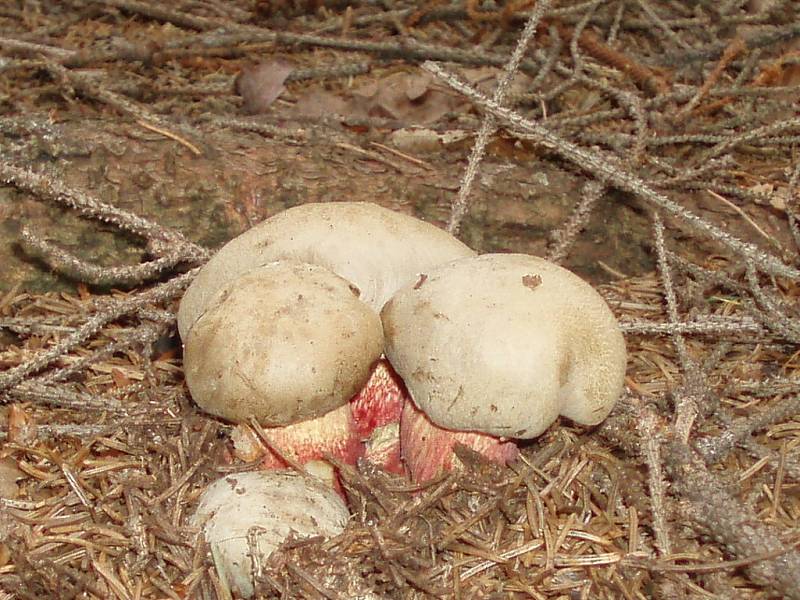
(169, 246)
(460, 204)
(603, 167)
(565, 236)
(161, 241)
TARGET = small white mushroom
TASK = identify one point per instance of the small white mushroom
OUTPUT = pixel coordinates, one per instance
(283, 343)
(503, 344)
(374, 248)
(244, 517)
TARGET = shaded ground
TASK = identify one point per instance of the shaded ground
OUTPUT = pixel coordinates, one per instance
(248, 177)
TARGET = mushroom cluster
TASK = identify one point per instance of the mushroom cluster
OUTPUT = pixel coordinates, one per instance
(347, 330)
(282, 326)
(287, 323)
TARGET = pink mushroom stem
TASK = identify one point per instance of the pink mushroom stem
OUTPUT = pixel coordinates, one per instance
(427, 449)
(381, 425)
(333, 434)
(376, 411)
(380, 402)
(398, 436)
(368, 426)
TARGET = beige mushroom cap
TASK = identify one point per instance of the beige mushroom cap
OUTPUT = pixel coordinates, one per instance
(284, 343)
(376, 249)
(504, 343)
(263, 508)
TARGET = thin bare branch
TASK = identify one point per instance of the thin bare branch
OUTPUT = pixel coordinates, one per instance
(603, 167)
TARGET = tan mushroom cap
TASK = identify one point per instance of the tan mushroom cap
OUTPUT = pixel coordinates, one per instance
(376, 249)
(504, 343)
(284, 343)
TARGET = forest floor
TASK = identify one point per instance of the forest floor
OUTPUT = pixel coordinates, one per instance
(651, 148)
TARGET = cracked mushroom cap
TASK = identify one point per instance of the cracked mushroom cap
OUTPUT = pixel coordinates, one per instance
(374, 248)
(504, 343)
(284, 343)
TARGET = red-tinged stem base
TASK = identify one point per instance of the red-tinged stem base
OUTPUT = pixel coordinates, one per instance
(376, 411)
(333, 434)
(427, 449)
(380, 401)
(380, 424)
